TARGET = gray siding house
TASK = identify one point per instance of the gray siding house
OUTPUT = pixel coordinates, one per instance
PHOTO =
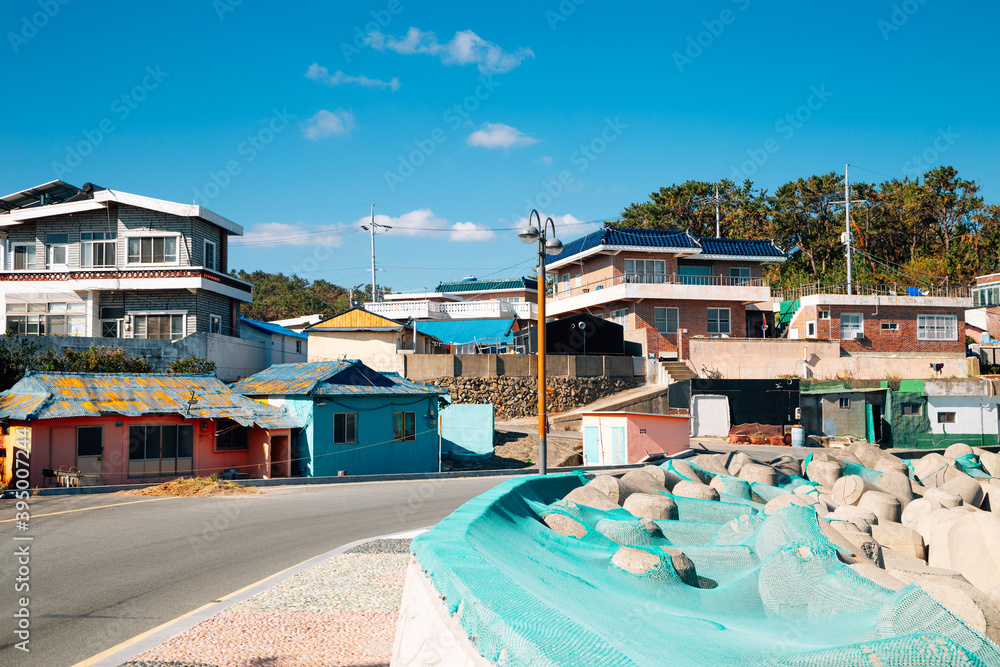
(95, 262)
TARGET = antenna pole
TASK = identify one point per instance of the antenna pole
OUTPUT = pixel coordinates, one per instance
(372, 227)
(718, 231)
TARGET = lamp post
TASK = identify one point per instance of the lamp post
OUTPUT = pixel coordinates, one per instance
(546, 246)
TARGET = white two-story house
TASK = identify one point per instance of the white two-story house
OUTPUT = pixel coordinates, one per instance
(102, 263)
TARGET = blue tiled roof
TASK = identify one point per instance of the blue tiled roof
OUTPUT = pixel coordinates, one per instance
(668, 238)
(270, 328)
(739, 247)
(328, 378)
(459, 332)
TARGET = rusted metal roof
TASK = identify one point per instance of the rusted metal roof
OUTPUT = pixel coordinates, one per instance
(330, 378)
(60, 395)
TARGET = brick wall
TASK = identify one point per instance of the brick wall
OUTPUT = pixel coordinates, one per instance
(691, 315)
(877, 339)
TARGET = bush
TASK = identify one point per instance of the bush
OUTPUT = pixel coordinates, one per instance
(92, 360)
(16, 356)
(195, 365)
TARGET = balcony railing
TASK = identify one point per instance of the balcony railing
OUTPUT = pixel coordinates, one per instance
(873, 289)
(575, 289)
(458, 310)
(119, 274)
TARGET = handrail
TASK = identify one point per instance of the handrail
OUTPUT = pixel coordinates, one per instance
(875, 289)
(657, 279)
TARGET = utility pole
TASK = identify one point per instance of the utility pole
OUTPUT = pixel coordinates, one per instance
(373, 228)
(847, 217)
(718, 228)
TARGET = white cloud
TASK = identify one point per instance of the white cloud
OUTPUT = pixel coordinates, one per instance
(499, 135)
(301, 234)
(465, 48)
(328, 123)
(423, 222)
(317, 72)
(568, 227)
(544, 159)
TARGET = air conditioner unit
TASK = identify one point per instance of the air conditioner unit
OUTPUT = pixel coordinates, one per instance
(859, 335)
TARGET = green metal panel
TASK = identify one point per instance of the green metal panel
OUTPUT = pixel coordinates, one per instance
(869, 423)
(618, 445)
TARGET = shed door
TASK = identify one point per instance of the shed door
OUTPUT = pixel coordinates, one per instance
(90, 449)
(709, 416)
(618, 444)
(591, 445)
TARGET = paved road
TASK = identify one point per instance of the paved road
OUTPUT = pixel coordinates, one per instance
(99, 577)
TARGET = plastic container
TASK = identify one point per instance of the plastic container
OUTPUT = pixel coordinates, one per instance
(798, 436)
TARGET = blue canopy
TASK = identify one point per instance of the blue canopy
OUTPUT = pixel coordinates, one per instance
(459, 332)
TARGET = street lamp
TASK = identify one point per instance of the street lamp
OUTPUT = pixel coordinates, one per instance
(546, 246)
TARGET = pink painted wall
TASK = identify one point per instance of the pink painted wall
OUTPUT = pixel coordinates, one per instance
(663, 433)
(53, 444)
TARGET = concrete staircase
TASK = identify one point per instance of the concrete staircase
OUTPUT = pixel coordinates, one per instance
(676, 371)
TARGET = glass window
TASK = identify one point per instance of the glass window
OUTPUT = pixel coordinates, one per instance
(97, 249)
(937, 327)
(852, 325)
(56, 245)
(160, 450)
(404, 426)
(159, 326)
(739, 275)
(695, 275)
(24, 256)
(645, 271)
(345, 427)
(845, 404)
(211, 256)
(666, 320)
(811, 329)
(152, 250)
(718, 321)
(215, 324)
(298, 346)
(620, 317)
(824, 314)
(890, 326)
(230, 435)
(911, 409)
(89, 441)
(946, 418)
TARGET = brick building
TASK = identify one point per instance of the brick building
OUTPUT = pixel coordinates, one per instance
(100, 263)
(665, 286)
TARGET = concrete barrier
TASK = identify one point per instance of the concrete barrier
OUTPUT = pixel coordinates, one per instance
(421, 367)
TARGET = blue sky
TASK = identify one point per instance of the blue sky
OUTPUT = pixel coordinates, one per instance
(455, 119)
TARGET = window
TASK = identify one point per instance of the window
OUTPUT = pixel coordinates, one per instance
(695, 275)
(645, 271)
(578, 279)
(564, 290)
(739, 275)
(152, 250)
(211, 256)
(215, 324)
(911, 409)
(620, 317)
(345, 427)
(56, 248)
(41, 319)
(230, 436)
(24, 256)
(89, 441)
(845, 404)
(937, 327)
(824, 314)
(852, 326)
(946, 418)
(811, 329)
(111, 317)
(404, 426)
(97, 249)
(890, 326)
(718, 321)
(665, 320)
(298, 346)
(161, 450)
(159, 326)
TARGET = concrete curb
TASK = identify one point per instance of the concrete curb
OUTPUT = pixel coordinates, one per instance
(185, 623)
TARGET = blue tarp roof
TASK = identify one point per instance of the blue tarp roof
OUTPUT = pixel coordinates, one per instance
(457, 332)
(267, 327)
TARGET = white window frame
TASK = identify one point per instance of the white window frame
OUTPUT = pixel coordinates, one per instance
(565, 289)
(947, 417)
(824, 315)
(739, 275)
(13, 256)
(153, 235)
(578, 279)
(845, 403)
(214, 264)
(657, 276)
(620, 316)
(855, 329)
(890, 326)
(87, 247)
(666, 320)
(929, 327)
(811, 329)
(212, 319)
(348, 417)
(131, 315)
(718, 322)
(50, 248)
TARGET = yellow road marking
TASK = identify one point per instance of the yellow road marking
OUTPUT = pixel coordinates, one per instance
(86, 509)
(138, 638)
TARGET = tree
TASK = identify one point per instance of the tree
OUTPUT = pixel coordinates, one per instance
(92, 360)
(191, 365)
(16, 355)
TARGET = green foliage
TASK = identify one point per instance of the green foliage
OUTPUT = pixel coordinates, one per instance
(278, 297)
(192, 365)
(16, 356)
(91, 360)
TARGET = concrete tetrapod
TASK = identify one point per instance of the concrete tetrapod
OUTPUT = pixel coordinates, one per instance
(849, 513)
(899, 538)
(882, 505)
(637, 481)
(876, 459)
(973, 548)
(896, 484)
(946, 499)
(784, 501)
(848, 490)
(956, 450)
(967, 602)
(679, 471)
(965, 486)
(990, 462)
(917, 510)
(695, 490)
(591, 496)
(759, 473)
(657, 473)
(735, 461)
(933, 470)
(710, 462)
(651, 506)
(824, 472)
(565, 525)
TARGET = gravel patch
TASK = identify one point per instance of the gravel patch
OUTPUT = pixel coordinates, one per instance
(397, 546)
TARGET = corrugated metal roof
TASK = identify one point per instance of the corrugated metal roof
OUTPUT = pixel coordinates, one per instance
(271, 328)
(459, 332)
(669, 239)
(400, 387)
(329, 378)
(60, 395)
(488, 285)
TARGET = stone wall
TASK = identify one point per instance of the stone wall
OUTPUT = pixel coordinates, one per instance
(514, 397)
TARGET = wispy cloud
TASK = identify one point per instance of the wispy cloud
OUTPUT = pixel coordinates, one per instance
(544, 159)
(423, 222)
(568, 227)
(317, 72)
(499, 135)
(301, 234)
(328, 123)
(465, 48)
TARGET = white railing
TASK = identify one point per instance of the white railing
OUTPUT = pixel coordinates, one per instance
(458, 310)
(564, 290)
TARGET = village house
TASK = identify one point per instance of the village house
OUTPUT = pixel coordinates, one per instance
(281, 345)
(375, 340)
(467, 299)
(95, 262)
(131, 428)
(355, 419)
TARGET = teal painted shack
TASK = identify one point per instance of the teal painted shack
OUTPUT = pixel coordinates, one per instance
(356, 419)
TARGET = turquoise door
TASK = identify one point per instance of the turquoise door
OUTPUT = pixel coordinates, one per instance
(591, 445)
(618, 444)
